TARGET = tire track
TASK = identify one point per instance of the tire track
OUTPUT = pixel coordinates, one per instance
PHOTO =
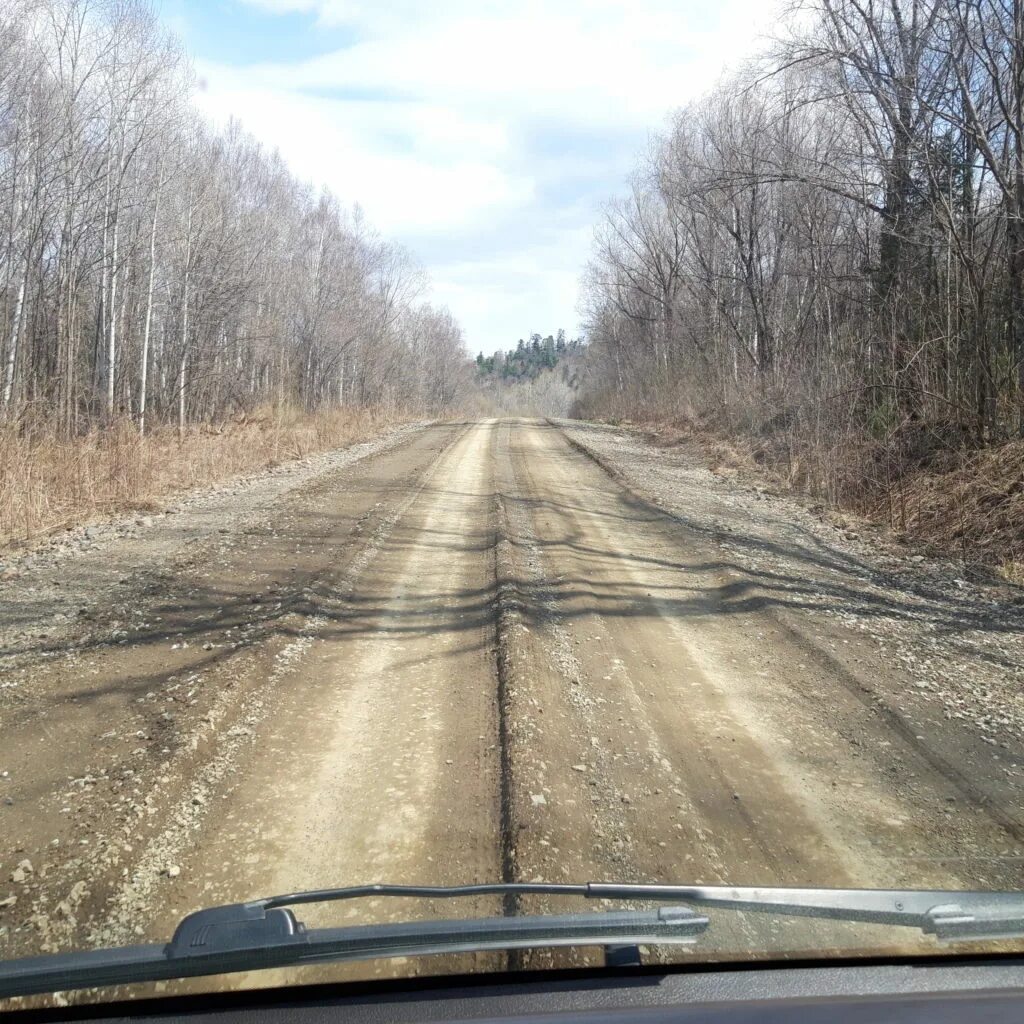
(131, 902)
(100, 889)
(866, 695)
(508, 600)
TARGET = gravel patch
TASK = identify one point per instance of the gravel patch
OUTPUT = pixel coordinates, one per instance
(958, 638)
(62, 585)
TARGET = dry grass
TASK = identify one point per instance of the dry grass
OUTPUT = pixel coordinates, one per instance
(47, 483)
(973, 505)
(925, 478)
(934, 491)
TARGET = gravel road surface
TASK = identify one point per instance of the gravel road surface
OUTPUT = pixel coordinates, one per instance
(501, 649)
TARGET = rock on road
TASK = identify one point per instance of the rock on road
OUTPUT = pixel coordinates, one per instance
(490, 650)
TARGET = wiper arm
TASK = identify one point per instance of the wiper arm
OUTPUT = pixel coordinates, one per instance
(262, 934)
(947, 914)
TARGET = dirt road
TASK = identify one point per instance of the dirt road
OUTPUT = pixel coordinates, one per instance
(503, 649)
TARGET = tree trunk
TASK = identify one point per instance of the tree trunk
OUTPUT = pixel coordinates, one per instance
(12, 355)
(1015, 261)
(144, 368)
(112, 337)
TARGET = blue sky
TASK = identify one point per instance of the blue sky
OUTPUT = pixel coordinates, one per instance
(482, 135)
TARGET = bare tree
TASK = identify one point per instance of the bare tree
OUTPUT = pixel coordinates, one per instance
(844, 225)
(151, 267)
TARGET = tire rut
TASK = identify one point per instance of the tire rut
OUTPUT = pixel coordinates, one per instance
(508, 599)
(114, 877)
(855, 686)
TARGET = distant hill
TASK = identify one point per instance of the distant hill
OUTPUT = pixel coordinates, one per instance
(529, 358)
(538, 377)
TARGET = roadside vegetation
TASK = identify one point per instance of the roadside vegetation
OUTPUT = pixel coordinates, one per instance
(822, 263)
(174, 304)
(48, 484)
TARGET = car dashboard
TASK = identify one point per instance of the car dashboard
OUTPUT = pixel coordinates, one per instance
(916, 991)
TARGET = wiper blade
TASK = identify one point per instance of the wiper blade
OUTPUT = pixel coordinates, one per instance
(265, 933)
(255, 936)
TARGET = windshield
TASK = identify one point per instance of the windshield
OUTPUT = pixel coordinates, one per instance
(471, 444)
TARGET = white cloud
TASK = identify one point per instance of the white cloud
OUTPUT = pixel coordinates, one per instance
(596, 60)
(412, 169)
(443, 121)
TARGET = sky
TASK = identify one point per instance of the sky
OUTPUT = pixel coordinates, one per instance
(483, 136)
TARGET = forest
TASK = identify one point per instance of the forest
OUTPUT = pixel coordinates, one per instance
(156, 268)
(157, 272)
(529, 358)
(821, 259)
(824, 256)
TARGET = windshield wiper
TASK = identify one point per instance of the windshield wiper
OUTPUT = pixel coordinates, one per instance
(265, 933)
(948, 914)
(262, 934)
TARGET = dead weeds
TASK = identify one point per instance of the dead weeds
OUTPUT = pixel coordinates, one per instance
(925, 484)
(48, 483)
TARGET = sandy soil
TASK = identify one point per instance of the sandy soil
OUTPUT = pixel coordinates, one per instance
(505, 649)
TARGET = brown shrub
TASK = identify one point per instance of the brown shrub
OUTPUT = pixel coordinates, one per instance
(924, 479)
